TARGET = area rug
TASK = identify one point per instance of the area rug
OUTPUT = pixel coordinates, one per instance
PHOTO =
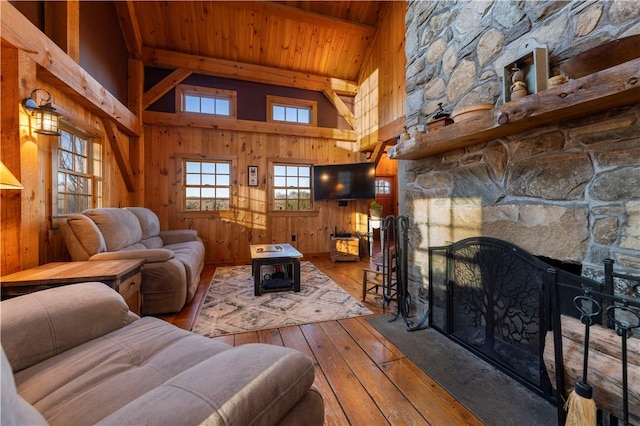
(230, 306)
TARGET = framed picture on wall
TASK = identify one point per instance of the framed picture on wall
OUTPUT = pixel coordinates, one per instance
(253, 176)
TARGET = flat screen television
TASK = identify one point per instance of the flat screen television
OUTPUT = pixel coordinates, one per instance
(354, 181)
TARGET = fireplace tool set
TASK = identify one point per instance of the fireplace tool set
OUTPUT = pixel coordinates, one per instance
(603, 309)
(396, 230)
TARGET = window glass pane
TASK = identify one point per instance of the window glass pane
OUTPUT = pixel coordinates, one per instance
(61, 181)
(65, 160)
(208, 105)
(279, 181)
(208, 179)
(208, 168)
(193, 205)
(193, 167)
(292, 170)
(291, 114)
(223, 193)
(278, 113)
(81, 165)
(292, 181)
(304, 182)
(304, 171)
(193, 192)
(303, 116)
(81, 146)
(222, 168)
(65, 141)
(223, 180)
(279, 193)
(279, 171)
(223, 107)
(304, 195)
(193, 179)
(280, 204)
(208, 192)
(191, 103)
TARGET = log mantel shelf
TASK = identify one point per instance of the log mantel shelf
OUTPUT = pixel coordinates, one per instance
(613, 87)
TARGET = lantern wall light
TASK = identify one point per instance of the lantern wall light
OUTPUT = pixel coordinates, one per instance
(47, 119)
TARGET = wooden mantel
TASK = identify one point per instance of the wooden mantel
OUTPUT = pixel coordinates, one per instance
(614, 87)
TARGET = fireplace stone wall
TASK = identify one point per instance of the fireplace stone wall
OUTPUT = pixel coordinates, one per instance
(571, 191)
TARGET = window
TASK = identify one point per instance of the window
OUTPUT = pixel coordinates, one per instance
(204, 100)
(207, 185)
(77, 171)
(288, 110)
(382, 186)
(292, 187)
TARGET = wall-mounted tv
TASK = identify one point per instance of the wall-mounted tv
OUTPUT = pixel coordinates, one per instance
(354, 181)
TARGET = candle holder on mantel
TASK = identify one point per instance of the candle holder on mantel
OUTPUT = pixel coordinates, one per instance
(440, 119)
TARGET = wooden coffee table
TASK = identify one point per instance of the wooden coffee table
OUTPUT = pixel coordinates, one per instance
(282, 255)
(124, 276)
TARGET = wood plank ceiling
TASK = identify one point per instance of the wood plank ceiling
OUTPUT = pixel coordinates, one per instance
(323, 38)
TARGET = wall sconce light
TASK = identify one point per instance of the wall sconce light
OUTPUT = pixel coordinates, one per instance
(47, 119)
(7, 179)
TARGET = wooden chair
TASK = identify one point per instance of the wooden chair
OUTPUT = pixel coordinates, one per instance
(382, 277)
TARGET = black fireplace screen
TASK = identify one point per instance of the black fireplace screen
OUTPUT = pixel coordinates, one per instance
(488, 295)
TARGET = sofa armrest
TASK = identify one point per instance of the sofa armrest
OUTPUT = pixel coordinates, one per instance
(178, 236)
(149, 255)
(42, 324)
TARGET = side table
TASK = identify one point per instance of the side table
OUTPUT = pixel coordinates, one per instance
(124, 276)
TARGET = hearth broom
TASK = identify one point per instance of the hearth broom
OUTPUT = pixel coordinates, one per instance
(580, 406)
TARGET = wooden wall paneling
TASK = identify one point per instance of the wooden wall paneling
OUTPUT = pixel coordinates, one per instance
(227, 235)
(382, 78)
(10, 136)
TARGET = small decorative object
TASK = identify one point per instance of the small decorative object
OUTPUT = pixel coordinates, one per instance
(404, 136)
(519, 87)
(470, 111)
(530, 71)
(375, 210)
(557, 80)
(253, 176)
(439, 119)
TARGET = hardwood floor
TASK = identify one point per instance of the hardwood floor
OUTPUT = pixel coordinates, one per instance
(364, 379)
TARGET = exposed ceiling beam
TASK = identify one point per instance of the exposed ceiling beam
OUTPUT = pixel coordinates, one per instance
(123, 164)
(130, 28)
(306, 17)
(17, 31)
(166, 84)
(223, 123)
(341, 107)
(242, 71)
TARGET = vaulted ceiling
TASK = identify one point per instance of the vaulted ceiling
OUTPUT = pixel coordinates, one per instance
(324, 38)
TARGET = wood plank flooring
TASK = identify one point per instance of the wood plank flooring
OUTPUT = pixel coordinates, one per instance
(364, 379)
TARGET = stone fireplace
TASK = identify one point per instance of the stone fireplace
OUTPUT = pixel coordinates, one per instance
(567, 191)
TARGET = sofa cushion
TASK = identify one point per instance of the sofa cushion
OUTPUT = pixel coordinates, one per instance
(149, 222)
(51, 327)
(119, 227)
(83, 238)
(97, 378)
(191, 254)
(15, 410)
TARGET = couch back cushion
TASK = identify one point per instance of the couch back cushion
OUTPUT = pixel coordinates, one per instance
(119, 227)
(82, 237)
(150, 225)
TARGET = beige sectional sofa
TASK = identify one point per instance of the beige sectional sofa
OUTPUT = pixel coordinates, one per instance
(173, 259)
(80, 357)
